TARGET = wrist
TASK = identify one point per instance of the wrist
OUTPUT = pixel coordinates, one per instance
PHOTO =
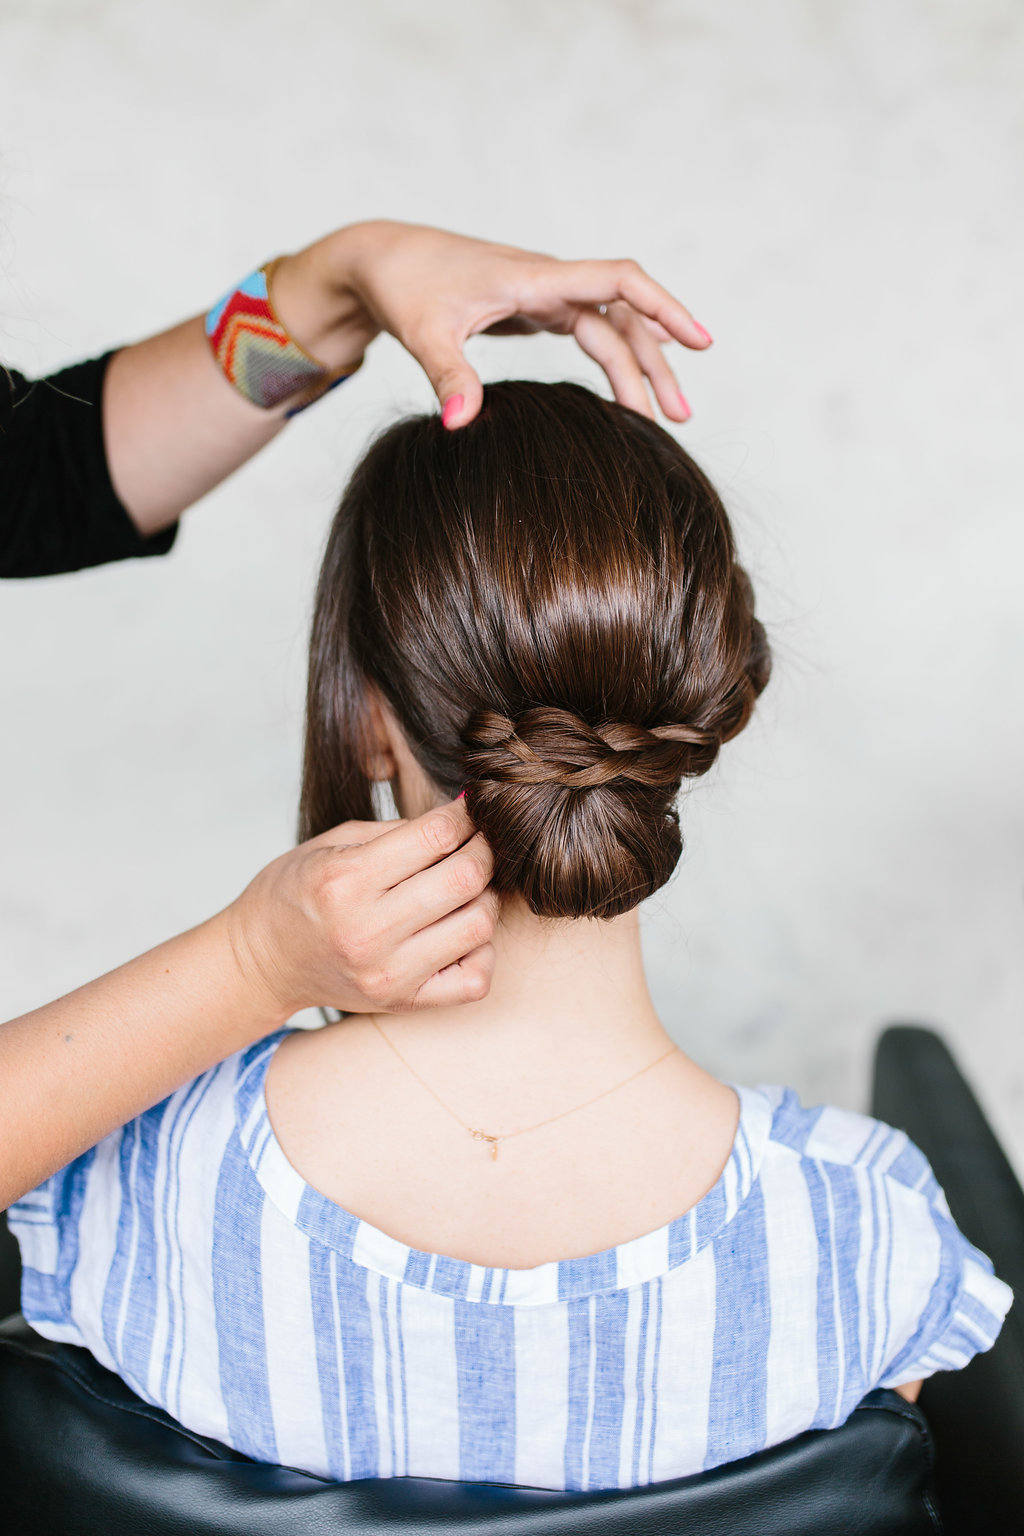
(317, 301)
(251, 980)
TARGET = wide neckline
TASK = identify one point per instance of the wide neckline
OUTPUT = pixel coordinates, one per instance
(635, 1262)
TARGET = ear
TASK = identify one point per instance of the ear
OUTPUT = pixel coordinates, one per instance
(381, 766)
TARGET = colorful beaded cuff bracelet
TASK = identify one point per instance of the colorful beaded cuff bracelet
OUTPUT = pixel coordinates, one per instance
(256, 353)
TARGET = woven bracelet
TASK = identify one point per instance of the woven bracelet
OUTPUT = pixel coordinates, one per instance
(256, 353)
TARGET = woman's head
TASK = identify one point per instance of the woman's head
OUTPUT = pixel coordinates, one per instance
(548, 604)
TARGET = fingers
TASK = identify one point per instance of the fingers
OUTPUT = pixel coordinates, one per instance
(408, 879)
(425, 898)
(385, 948)
(456, 384)
(407, 847)
(651, 299)
(601, 341)
(639, 336)
(602, 282)
(446, 942)
(450, 960)
(350, 834)
(467, 981)
(657, 331)
(562, 296)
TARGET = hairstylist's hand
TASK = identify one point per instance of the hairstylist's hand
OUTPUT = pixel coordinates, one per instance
(173, 427)
(433, 290)
(372, 915)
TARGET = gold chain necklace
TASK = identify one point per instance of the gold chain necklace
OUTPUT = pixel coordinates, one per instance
(495, 1141)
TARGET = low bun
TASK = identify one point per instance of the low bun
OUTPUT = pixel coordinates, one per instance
(581, 817)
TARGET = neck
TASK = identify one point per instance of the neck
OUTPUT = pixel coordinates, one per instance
(561, 991)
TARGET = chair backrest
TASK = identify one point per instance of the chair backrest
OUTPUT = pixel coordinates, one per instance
(977, 1415)
(81, 1455)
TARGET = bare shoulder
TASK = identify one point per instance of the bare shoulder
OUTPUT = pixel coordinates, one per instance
(317, 1056)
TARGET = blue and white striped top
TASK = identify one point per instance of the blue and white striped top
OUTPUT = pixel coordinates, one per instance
(189, 1256)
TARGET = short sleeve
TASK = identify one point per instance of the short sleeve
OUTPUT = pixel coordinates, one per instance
(945, 1303)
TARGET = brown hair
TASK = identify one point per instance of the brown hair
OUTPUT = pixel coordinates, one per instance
(549, 600)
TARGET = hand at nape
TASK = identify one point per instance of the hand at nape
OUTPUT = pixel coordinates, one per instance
(371, 916)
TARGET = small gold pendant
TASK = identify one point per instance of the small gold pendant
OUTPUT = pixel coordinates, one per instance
(492, 1140)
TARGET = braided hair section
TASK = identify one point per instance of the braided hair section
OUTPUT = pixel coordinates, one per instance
(555, 746)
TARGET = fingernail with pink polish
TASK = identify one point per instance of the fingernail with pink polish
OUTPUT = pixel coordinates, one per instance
(685, 405)
(452, 407)
(461, 795)
(706, 336)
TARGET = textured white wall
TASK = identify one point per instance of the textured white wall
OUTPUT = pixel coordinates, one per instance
(836, 190)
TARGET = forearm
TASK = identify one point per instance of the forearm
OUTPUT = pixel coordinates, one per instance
(74, 1070)
(173, 426)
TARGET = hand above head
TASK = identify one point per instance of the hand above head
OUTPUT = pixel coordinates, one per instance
(174, 427)
(433, 290)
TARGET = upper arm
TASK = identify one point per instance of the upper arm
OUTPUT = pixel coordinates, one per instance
(910, 1390)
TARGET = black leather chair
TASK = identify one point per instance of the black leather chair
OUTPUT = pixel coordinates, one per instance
(80, 1455)
(976, 1415)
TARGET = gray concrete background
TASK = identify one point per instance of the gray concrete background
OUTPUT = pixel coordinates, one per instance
(835, 189)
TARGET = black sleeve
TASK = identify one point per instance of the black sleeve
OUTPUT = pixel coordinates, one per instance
(58, 508)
